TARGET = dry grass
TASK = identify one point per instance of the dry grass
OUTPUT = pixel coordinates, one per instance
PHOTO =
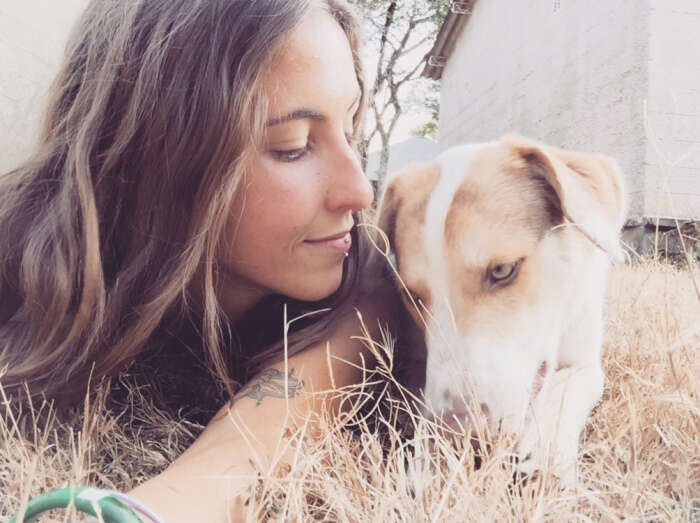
(639, 460)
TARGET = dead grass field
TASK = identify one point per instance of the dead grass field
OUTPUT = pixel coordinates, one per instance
(639, 458)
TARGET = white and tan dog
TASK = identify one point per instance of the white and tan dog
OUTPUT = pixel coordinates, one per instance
(504, 249)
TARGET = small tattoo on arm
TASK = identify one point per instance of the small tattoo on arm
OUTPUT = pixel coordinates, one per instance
(271, 382)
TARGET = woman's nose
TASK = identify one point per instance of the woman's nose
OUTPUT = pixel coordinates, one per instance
(349, 187)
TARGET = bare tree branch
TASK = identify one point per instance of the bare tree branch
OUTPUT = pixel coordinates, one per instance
(417, 45)
(402, 28)
(409, 75)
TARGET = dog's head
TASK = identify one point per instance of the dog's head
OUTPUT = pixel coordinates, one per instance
(492, 264)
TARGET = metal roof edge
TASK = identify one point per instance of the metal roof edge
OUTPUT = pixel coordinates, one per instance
(436, 59)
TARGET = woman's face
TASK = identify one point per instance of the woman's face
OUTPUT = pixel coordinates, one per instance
(288, 232)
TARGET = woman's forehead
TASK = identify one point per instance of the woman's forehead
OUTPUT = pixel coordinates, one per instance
(313, 67)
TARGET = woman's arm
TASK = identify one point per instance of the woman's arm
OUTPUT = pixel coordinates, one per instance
(246, 435)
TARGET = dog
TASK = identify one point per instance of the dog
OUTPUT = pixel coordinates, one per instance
(503, 250)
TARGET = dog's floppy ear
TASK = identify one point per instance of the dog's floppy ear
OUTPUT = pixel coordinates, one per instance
(589, 187)
(407, 189)
(384, 218)
(386, 214)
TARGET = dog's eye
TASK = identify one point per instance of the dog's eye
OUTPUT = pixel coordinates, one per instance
(504, 272)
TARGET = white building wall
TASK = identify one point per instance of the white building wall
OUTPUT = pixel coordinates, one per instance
(572, 73)
(33, 35)
(673, 149)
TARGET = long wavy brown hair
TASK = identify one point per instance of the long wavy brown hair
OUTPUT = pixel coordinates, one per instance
(121, 208)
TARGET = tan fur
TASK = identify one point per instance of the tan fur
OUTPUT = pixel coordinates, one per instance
(401, 216)
(581, 180)
(596, 170)
(494, 218)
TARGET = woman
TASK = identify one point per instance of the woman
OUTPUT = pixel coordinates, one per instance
(196, 165)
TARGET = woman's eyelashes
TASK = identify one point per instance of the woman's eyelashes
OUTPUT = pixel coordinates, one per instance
(291, 155)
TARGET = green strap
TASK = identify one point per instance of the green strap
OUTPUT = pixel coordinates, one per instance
(96, 502)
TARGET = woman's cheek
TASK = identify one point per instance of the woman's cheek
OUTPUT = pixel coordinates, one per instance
(297, 194)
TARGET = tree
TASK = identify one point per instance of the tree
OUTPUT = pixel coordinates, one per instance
(399, 34)
(430, 101)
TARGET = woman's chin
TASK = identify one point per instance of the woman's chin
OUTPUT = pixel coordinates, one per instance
(318, 287)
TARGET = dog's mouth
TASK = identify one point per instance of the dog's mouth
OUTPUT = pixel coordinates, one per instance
(461, 419)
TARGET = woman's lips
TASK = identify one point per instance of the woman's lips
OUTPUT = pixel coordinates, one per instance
(338, 243)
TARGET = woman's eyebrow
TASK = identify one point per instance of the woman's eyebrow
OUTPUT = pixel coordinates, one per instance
(298, 114)
(302, 113)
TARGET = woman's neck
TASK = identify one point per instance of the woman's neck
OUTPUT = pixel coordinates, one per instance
(235, 295)
(238, 301)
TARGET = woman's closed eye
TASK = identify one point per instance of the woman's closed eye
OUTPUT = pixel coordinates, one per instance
(290, 155)
(297, 153)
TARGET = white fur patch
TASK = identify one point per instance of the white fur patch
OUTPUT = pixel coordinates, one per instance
(454, 164)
